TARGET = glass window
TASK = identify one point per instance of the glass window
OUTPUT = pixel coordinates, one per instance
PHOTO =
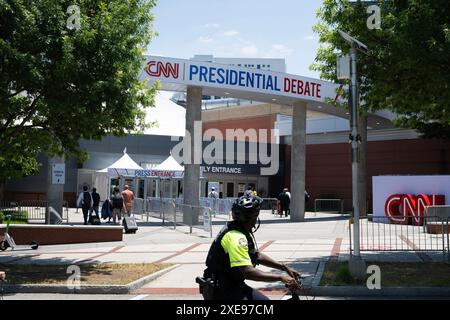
(230, 189)
(241, 189)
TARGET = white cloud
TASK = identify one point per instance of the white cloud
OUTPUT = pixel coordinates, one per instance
(231, 33)
(249, 50)
(311, 37)
(281, 49)
(205, 39)
(212, 25)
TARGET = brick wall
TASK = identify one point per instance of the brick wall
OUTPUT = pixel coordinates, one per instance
(48, 235)
(328, 166)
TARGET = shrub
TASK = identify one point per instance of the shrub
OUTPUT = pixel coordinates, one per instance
(16, 216)
(343, 275)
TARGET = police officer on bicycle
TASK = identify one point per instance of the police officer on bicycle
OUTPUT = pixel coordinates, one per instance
(233, 257)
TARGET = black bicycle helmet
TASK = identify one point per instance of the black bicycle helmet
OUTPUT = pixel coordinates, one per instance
(246, 208)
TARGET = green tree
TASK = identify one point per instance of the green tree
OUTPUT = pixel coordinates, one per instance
(66, 77)
(407, 69)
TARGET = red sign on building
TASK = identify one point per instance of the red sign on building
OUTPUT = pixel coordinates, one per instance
(410, 208)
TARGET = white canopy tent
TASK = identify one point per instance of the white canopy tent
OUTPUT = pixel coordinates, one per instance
(123, 167)
(170, 169)
(170, 164)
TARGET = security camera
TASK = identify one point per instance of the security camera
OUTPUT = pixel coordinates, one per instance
(353, 42)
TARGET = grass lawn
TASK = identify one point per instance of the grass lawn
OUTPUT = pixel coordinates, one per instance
(393, 274)
(17, 217)
(16, 222)
(100, 274)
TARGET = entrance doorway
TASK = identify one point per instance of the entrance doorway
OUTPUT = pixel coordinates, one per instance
(230, 189)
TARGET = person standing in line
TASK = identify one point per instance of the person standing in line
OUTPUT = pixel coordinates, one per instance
(96, 203)
(117, 205)
(288, 194)
(285, 201)
(213, 193)
(107, 210)
(85, 202)
(128, 199)
(214, 196)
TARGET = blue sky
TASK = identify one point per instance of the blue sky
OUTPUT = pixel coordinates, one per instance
(238, 28)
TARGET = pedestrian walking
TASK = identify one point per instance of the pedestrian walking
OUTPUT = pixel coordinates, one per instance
(85, 202)
(96, 202)
(117, 205)
(128, 199)
(284, 202)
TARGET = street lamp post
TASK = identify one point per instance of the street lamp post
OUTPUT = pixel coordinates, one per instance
(355, 139)
(357, 265)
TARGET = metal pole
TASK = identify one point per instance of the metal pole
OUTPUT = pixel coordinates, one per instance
(210, 224)
(355, 149)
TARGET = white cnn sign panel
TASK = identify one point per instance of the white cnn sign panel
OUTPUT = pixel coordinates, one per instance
(182, 73)
(410, 193)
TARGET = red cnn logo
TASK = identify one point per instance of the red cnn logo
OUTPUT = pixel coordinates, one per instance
(156, 68)
(410, 208)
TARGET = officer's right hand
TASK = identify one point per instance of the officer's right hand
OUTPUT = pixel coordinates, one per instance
(290, 282)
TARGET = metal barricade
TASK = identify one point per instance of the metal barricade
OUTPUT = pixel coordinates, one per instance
(329, 205)
(174, 212)
(382, 234)
(220, 208)
(33, 211)
(194, 217)
(270, 204)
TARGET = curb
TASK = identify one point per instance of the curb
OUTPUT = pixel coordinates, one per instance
(319, 274)
(358, 291)
(86, 289)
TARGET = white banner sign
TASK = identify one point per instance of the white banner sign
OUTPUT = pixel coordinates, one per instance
(145, 173)
(218, 76)
(403, 198)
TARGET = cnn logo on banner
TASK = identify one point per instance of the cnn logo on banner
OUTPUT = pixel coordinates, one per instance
(158, 68)
(410, 208)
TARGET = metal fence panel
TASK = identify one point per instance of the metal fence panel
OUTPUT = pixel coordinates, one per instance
(174, 212)
(329, 205)
(383, 234)
(32, 211)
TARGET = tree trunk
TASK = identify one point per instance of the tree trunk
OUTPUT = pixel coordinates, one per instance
(2, 188)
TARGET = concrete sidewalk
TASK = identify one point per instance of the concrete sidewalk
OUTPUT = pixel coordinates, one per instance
(304, 246)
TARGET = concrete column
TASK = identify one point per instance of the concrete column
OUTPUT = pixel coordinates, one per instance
(158, 188)
(192, 169)
(146, 182)
(55, 192)
(298, 159)
(362, 165)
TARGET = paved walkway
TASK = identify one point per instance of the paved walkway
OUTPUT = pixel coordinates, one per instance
(300, 245)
